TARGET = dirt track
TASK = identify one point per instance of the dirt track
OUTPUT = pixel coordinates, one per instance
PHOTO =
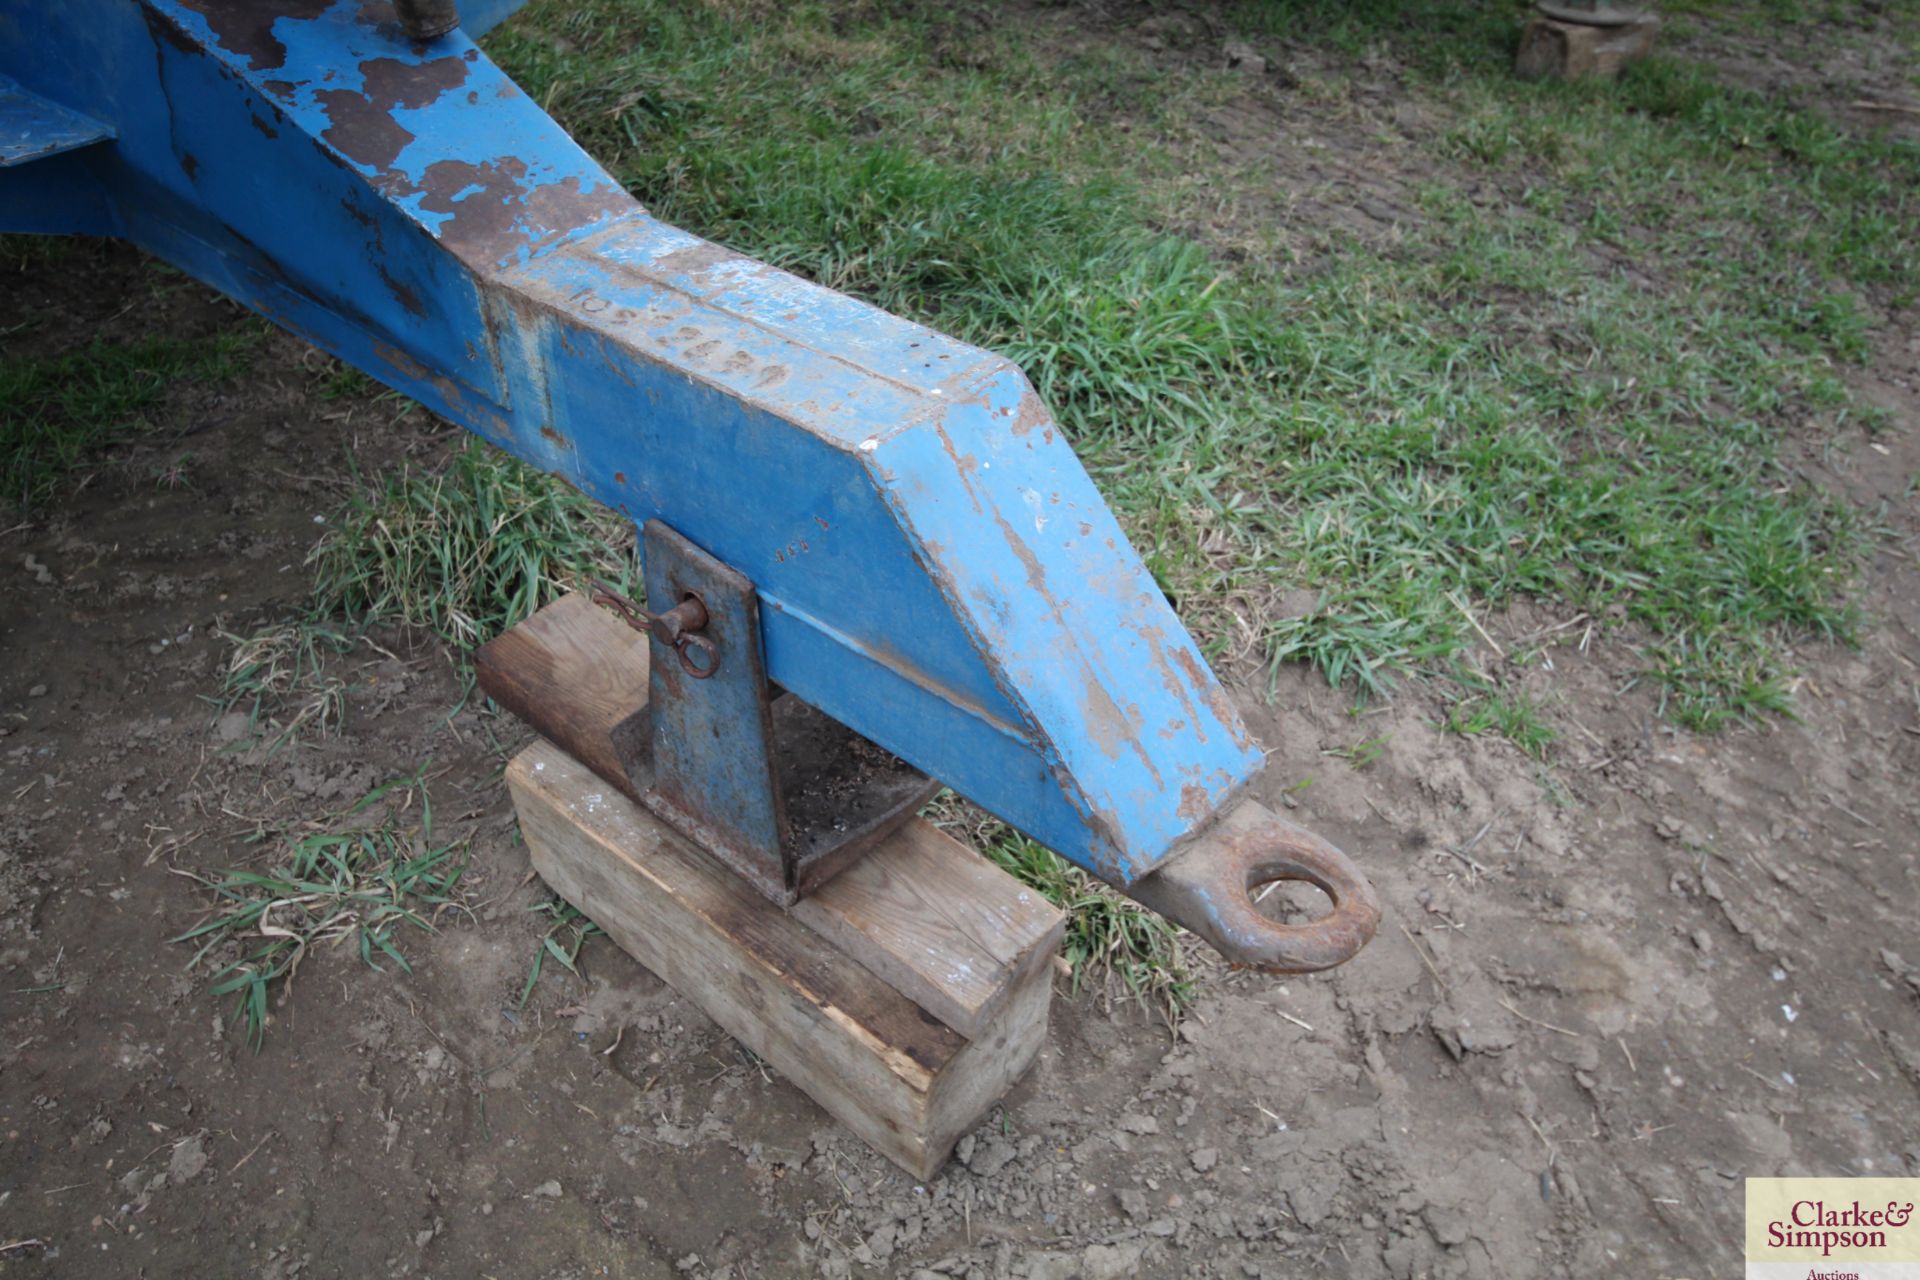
(1607, 989)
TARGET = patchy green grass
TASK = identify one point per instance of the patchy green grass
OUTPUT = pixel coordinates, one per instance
(279, 676)
(356, 881)
(1359, 755)
(461, 551)
(1514, 714)
(1493, 405)
(567, 932)
(60, 413)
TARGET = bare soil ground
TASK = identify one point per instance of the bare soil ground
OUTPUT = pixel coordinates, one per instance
(1607, 989)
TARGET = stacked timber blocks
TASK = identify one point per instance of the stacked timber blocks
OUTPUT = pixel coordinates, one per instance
(1551, 49)
(905, 995)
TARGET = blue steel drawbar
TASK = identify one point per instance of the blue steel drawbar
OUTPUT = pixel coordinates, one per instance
(933, 568)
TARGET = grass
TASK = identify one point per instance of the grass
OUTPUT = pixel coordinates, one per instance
(59, 413)
(567, 932)
(1485, 409)
(356, 881)
(280, 673)
(1360, 754)
(1512, 713)
(462, 552)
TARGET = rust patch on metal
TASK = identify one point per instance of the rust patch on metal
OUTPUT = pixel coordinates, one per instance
(1207, 687)
(392, 83)
(1113, 729)
(482, 217)
(696, 258)
(403, 293)
(490, 204)
(1106, 725)
(401, 361)
(489, 201)
(1036, 572)
(361, 124)
(244, 28)
(1032, 414)
(555, 437)
(1208, 888)
(967, 466)
(485, 414)
(362, 131)
(1171, 681)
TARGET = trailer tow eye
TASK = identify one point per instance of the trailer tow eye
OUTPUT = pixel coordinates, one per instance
(1209, 888)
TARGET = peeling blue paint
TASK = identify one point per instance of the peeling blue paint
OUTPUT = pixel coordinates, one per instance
(934, 566)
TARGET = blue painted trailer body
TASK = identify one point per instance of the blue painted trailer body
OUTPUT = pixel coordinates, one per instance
(935, 568)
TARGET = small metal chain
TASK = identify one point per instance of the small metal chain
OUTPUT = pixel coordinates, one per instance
(681, 628)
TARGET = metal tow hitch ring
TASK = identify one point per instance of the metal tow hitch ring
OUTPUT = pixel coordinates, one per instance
(679, 628)
(1208, 887)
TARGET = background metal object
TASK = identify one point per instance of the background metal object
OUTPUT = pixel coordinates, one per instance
(932, 566)
(1588, 13)
(426, 19)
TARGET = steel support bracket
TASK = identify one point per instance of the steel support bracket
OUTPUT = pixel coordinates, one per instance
(777, 790)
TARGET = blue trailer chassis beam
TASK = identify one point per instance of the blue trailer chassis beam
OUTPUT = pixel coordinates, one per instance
(933, 566)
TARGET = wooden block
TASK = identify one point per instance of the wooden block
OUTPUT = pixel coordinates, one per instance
(576, 653)
(934, 918)
(1550, 49)
(944, 926)
(901, 1079)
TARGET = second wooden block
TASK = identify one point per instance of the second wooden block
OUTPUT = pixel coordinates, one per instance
(883, 1064)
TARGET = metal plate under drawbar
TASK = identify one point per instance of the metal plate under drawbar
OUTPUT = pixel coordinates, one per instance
(841, 793)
